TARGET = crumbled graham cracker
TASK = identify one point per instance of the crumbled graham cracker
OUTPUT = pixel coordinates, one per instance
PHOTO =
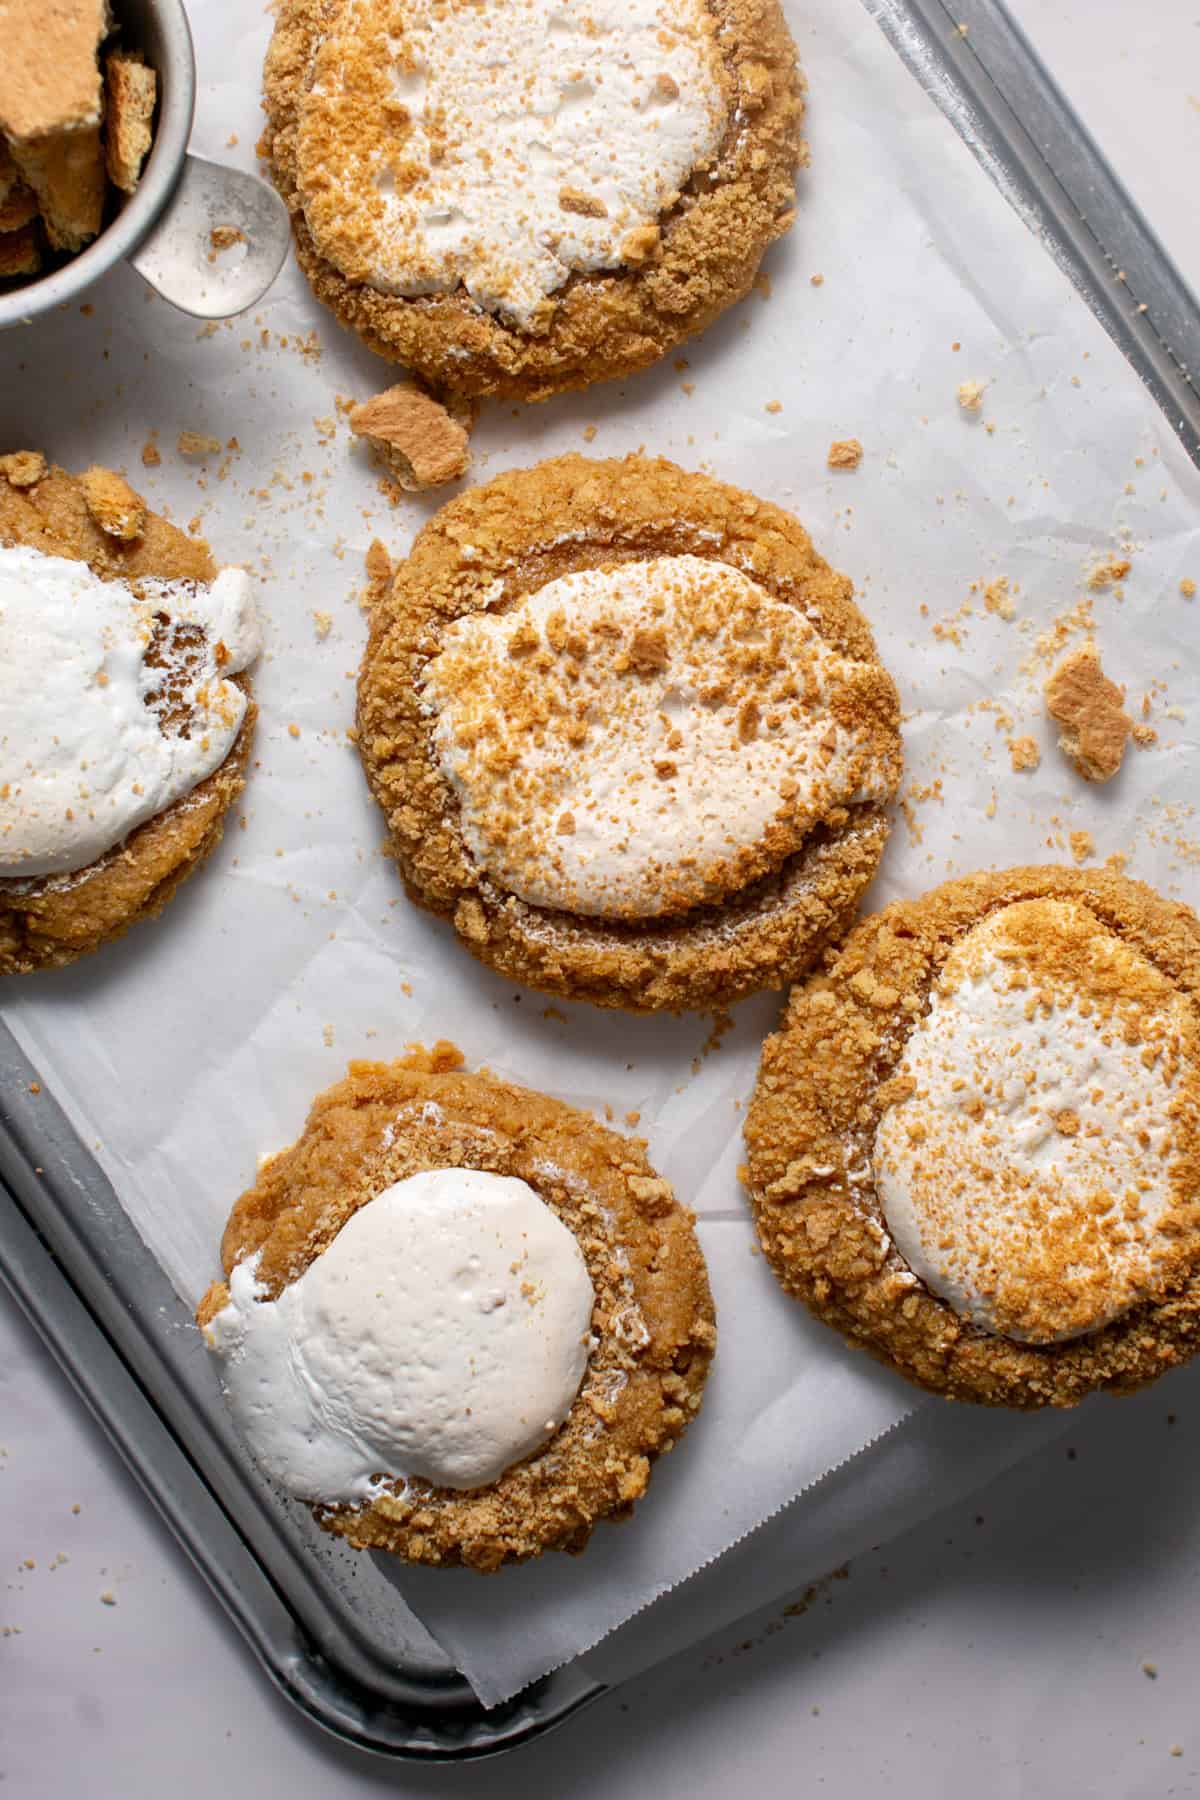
(66, 172)
(1109, 571)
(1088, 708)
(49, 75)
(114, 506)
(10, 177)
(196, 443)
(151, 454)
(20, 252)
(416, 436)
(845, 453)
(23, 468)
(18, 207)
(998, 599)
(130, 92)
(224, 237)
(1082, 845)
(1187, 588)
(1024, 753)
(970, 395)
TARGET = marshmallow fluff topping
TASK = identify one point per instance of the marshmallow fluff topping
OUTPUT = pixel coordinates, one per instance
(1034, 1170)
(502, 148)
(443, 1334)
(115, 702)
(634, 741)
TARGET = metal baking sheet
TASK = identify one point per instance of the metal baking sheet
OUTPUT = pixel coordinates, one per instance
(73, 1262)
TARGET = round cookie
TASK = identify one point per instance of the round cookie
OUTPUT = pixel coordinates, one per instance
(1003, 1075)
(339, 140)
(96, 519)
(652, 1320)
(486, 553)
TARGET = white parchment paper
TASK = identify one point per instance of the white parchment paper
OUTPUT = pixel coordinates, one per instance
(195, 1045)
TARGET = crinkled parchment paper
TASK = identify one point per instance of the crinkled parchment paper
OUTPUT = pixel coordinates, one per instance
(195, 1046)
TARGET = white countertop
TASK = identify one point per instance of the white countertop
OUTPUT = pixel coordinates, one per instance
(1002, 1649)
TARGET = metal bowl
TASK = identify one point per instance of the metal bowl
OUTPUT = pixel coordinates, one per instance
(164, 227)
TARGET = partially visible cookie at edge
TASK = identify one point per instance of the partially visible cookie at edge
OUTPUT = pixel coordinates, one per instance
(121, 635)
(974, 1145)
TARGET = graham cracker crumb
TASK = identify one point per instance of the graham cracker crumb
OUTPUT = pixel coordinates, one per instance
(1024, 753)
(1088, 708)
(323, 623)
(970, 395)
(774, 406)
(20, 252)
(816, 281)
(224, 237)
(1187, 588)
(416, 436)
(49, 75)
(1108, 572)
(196, 443)
(997, 599)
(1082, 846)
(23, 468)
(114, 506)
(844, 453)
(130, 92)
(66, 172)
(151, 454)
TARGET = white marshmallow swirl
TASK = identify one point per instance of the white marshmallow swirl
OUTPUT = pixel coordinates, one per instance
(443, 1334)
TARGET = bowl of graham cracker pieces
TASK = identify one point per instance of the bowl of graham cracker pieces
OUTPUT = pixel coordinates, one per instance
(96, 106)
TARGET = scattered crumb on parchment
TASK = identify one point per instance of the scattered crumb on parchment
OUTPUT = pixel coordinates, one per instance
(1024, 753)
(1088, 708)
(773, 406)
(970, 395)
(844, 453)
(998, 598)
(1187, 588)
(151, 454)
(322, 623)
(1108, 571)
(197, 443)
(1082, 845)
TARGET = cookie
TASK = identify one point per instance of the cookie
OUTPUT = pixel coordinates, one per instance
(518, 199)
(126, 718)
(974, 1147)
(501, 1313)
(629, 732)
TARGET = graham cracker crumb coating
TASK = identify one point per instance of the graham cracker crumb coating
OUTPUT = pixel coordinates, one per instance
(653, 1315)
(822, 1088)
(51, 920)
(677, 278)
(523, 530)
